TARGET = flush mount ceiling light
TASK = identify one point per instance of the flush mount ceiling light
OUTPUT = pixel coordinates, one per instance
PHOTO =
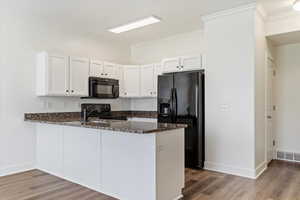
(135, 25)
(296, 5)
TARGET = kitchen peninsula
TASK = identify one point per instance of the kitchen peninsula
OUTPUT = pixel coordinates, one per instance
(128, 160)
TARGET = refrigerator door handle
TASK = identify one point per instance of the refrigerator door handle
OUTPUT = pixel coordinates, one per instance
(197, 101)
(176, 103)
(172, 104)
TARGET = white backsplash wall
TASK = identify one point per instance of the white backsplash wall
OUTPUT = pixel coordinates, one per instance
(21, 38)
(144, 104)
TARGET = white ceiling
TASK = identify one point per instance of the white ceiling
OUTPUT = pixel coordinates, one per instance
(92, 18)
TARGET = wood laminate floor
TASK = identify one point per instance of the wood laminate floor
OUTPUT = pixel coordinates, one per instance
(280, 182)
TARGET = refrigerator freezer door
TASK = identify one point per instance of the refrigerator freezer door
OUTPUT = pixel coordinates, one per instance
(188, 89)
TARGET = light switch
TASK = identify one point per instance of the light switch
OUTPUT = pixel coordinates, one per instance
(224, 107)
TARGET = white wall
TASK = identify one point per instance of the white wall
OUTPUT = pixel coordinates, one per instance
(260, 93)
(154, 51)
(281, 25)
(21, 38)
(287, 98)
(230, 89)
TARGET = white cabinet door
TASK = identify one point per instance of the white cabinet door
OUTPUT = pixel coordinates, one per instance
(171, 65)
(189, 63)
(81, 153)
(49, 148)
(52, 75)
(79, 75)
(157, 71)
(109, 70)
(131, 81)
(96, 68)
(147, 80)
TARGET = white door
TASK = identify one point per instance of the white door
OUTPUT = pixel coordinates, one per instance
(189, 63)
(171, 65)
(79, 76)
(96, 68)
(109, 70)
(157, 71)
(147, 80)
(131, 81)
(58, 75)
(269, 111)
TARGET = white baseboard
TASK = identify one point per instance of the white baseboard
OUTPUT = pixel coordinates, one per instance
(14, 169)
(228, 169)
(243, 172)
(261, 169)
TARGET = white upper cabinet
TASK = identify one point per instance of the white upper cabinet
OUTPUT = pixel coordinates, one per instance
(171, 65)
(103, 69)
(52, 75)
(184, 63)
(131, 75)
(109, 70)
(189, 63)
(79, 76)
(147, 80)
(96, 68)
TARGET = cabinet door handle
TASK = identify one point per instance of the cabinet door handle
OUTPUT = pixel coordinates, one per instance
(67, 90)
(72, 91)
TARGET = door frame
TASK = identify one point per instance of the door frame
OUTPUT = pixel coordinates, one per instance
(267, 139)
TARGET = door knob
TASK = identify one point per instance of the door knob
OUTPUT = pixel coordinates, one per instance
(269, 117)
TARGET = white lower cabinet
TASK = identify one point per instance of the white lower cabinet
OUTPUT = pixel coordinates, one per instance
(126, 166)
(49, 149)
(81, 153)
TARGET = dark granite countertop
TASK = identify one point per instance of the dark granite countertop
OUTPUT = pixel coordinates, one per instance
(73, 119)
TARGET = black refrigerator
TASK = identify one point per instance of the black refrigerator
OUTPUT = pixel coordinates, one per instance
(181, 100)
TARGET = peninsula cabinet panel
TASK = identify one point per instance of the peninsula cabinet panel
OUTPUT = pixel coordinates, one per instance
(81, 153)
(129, 165)
(79, 76)
(49, 150)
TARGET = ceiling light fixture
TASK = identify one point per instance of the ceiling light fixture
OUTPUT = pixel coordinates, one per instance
(296, 5)
(137, 24)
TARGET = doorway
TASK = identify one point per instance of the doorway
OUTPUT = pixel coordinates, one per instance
(270, 110)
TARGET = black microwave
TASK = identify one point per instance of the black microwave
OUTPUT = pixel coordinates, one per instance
(103, 88)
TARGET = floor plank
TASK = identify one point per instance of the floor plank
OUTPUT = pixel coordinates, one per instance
(280, 182)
